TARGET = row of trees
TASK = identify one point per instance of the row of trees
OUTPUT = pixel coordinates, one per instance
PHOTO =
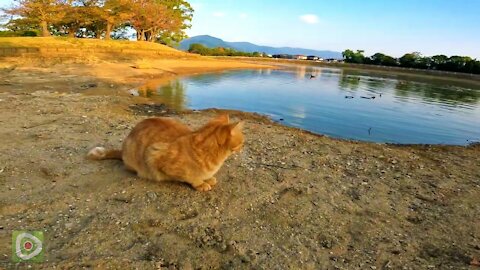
(463, 64)
(153, 20)
(219, 51)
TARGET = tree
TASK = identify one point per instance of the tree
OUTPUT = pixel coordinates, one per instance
(439, 61)
(79, 14)
(219, 51)
(154, 19)
(183, 14)
(416, 60)
(115, 12)
(457, 63)
(354, 57)
(383, 60)
(40, 12)
(198, 49)
(410, 59)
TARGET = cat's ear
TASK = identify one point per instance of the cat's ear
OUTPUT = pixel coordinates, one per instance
(236, 128)
(224, 119)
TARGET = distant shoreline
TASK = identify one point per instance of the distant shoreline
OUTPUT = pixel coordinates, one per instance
(471, 79)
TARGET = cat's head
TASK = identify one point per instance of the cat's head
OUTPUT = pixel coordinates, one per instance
(229, 135)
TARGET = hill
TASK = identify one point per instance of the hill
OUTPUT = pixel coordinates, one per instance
(40, 42)
(74, 48)
(213, 42)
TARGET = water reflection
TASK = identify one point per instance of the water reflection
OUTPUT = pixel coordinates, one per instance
(449, 95)
(403, 89)
(174, 94)
(348, 82)
(403, 111)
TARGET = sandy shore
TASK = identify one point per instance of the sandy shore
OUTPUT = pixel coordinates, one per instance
(101, 76)
(290, 200)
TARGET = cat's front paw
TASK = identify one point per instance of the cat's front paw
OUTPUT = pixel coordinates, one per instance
(203, 187)
(212, 181)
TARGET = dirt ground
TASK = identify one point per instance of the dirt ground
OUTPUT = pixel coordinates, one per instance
(289, 200)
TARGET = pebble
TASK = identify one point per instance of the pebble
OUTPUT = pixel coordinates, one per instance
(152, 195)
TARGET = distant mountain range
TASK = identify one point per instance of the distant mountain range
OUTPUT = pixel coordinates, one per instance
(213, 42)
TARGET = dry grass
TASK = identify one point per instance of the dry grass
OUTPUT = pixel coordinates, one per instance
(84, 50)
(75, 43)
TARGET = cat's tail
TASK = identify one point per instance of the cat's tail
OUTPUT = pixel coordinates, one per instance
(100, 153)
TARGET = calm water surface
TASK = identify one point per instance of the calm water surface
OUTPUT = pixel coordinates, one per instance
(338, 104)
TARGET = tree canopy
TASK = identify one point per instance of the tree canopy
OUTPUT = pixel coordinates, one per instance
(162, 21)
(462, 64)
(220, 51)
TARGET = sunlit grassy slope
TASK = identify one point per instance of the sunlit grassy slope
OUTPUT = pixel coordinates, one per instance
(76, 43)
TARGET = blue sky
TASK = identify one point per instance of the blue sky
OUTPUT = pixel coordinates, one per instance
(390, 26)
(394, 27)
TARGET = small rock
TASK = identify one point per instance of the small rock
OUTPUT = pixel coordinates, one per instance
(134, 92)
(152, 195)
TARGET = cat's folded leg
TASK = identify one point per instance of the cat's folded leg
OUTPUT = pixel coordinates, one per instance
(211, 181)
(203, 187)
(199, 185)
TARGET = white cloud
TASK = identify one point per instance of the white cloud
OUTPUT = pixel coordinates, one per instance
(218, 14)
(243, 15)
(309, 18)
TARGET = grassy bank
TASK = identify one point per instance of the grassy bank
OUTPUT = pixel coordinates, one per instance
(60, 47)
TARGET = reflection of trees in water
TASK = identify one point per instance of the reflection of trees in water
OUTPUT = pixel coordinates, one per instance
(404, 88)
(346, 82)
(217, 77)
(173, 94)
(376, 84)
(451, 95)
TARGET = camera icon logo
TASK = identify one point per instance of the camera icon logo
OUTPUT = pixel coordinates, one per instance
(27, 246)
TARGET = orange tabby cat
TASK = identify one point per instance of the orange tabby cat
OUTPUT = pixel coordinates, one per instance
(164, 149)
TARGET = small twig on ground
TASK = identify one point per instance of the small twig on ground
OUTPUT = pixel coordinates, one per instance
(41, 124)
(278, 166)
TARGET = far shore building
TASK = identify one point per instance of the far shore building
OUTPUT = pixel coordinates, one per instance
(300, 57)
(333, 60)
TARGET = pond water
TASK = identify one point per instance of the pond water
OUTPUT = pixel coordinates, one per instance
(338, 103)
